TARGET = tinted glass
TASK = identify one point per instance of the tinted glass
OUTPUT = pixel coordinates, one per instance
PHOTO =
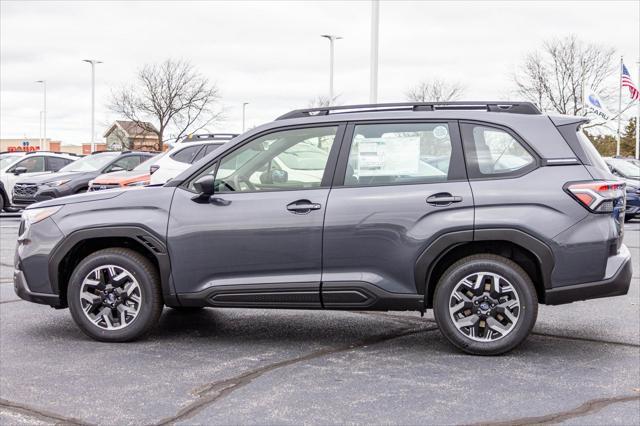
(187, 154)
(147, 162)
(33, 164)
(126, 163)
(495, 152)
(56, 163)
(383, 154)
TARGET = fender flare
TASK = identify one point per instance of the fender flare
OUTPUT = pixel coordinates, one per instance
(447, 242)
(148, 239)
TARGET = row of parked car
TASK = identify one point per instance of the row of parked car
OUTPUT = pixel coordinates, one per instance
(26, 178)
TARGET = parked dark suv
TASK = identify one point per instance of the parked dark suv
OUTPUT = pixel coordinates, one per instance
(74, 178)
(366, 215)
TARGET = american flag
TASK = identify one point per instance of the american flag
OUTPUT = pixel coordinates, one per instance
(627, 82)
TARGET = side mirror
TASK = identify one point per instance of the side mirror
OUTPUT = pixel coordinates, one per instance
(19, 170)
(205, 185)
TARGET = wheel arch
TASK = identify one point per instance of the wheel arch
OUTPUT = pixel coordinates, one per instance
(535, 257)
(79, 244)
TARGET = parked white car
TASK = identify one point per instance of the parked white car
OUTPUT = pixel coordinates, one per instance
(18, 165)
(185, 153)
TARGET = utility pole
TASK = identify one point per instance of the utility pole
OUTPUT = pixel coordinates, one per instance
(619, 106)
(332, 39)
(44, 114)
(244, 107)
(93, 63)
(375, 23)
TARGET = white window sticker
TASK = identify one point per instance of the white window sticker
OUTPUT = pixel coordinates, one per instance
(388, 156)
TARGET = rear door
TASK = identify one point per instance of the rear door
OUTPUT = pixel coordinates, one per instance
(398, 186)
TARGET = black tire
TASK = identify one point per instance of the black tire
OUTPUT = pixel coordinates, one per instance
(514, 274)
(145, 274)
(1, 202)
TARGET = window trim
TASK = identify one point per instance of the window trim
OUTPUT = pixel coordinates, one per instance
(329, 170)
(457, 170)
(468, 143)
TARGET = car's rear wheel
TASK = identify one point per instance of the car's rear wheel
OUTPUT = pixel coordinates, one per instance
(1, 202)
(485, 304)
(114, 295)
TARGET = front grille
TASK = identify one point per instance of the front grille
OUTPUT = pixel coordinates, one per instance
(25, 189)
(100, 187)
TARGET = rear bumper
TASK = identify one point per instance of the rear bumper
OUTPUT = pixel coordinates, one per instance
(23, 291)
(615, 284)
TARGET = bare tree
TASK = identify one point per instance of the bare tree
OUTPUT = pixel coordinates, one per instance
(554, 76)
(172, 95)
(321, 101)
(435, 90)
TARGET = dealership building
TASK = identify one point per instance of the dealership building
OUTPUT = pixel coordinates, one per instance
(37, 144)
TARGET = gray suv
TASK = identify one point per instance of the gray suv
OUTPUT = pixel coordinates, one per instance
(479, 211)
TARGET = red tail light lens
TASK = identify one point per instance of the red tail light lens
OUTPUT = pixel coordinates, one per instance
(598, 196)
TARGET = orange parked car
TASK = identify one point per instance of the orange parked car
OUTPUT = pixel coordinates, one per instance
(137, 177)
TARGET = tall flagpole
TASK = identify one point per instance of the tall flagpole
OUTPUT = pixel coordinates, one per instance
(619, 107)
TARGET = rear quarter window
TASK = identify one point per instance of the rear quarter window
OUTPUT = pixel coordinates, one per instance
(186, 155)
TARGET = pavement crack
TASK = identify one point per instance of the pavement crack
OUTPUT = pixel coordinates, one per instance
(40, 414)
(212, 392)
(10, 301)
(586, 339)
(589, 407)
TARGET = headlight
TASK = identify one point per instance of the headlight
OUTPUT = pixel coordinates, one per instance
(139, 183)
(31, 216)
(57, 182)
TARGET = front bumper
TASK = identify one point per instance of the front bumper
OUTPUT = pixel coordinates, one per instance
(23, 291)
(616, 283)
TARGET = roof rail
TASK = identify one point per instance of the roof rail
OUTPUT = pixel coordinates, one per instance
(498, 106)
(194, 138)
(53, 152)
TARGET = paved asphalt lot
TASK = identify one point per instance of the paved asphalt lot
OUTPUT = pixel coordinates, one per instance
(581, 366)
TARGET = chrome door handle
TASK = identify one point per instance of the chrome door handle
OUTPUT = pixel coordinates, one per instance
(303, 206)
(443, 199)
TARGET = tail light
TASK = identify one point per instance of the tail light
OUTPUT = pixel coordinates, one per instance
(153, 169)
(598, 196)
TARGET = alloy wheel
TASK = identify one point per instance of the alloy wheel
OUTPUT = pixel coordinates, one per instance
(484, 306)
(110, 297)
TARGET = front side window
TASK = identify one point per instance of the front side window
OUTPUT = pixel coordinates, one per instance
(284, 160)
(33, 164)
(494, 152)
(386, 154)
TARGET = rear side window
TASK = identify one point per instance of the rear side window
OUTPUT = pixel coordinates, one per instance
(187, 154)
(494, 152)
(398, 153)
(593, 156)
(56, 163)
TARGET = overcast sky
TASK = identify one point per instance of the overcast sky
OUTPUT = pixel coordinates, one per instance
(271, 55)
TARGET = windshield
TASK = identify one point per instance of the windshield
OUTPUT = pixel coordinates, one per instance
(7, 160)
(625, 168)
(90, 163)
(144, 166)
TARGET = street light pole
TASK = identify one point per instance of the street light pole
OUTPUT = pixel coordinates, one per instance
(93, 63)
(332, 39)
(244, 107)
(44, 113)
(375, 23)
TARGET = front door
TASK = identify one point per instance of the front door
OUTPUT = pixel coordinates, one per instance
(404, 185)
(258, 240)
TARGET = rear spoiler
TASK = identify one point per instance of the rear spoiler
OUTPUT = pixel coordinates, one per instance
(564, 120)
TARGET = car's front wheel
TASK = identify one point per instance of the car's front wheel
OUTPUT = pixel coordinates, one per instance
(485, 304)
(114, 295)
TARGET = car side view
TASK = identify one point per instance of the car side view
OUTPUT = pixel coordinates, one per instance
(477, 210)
